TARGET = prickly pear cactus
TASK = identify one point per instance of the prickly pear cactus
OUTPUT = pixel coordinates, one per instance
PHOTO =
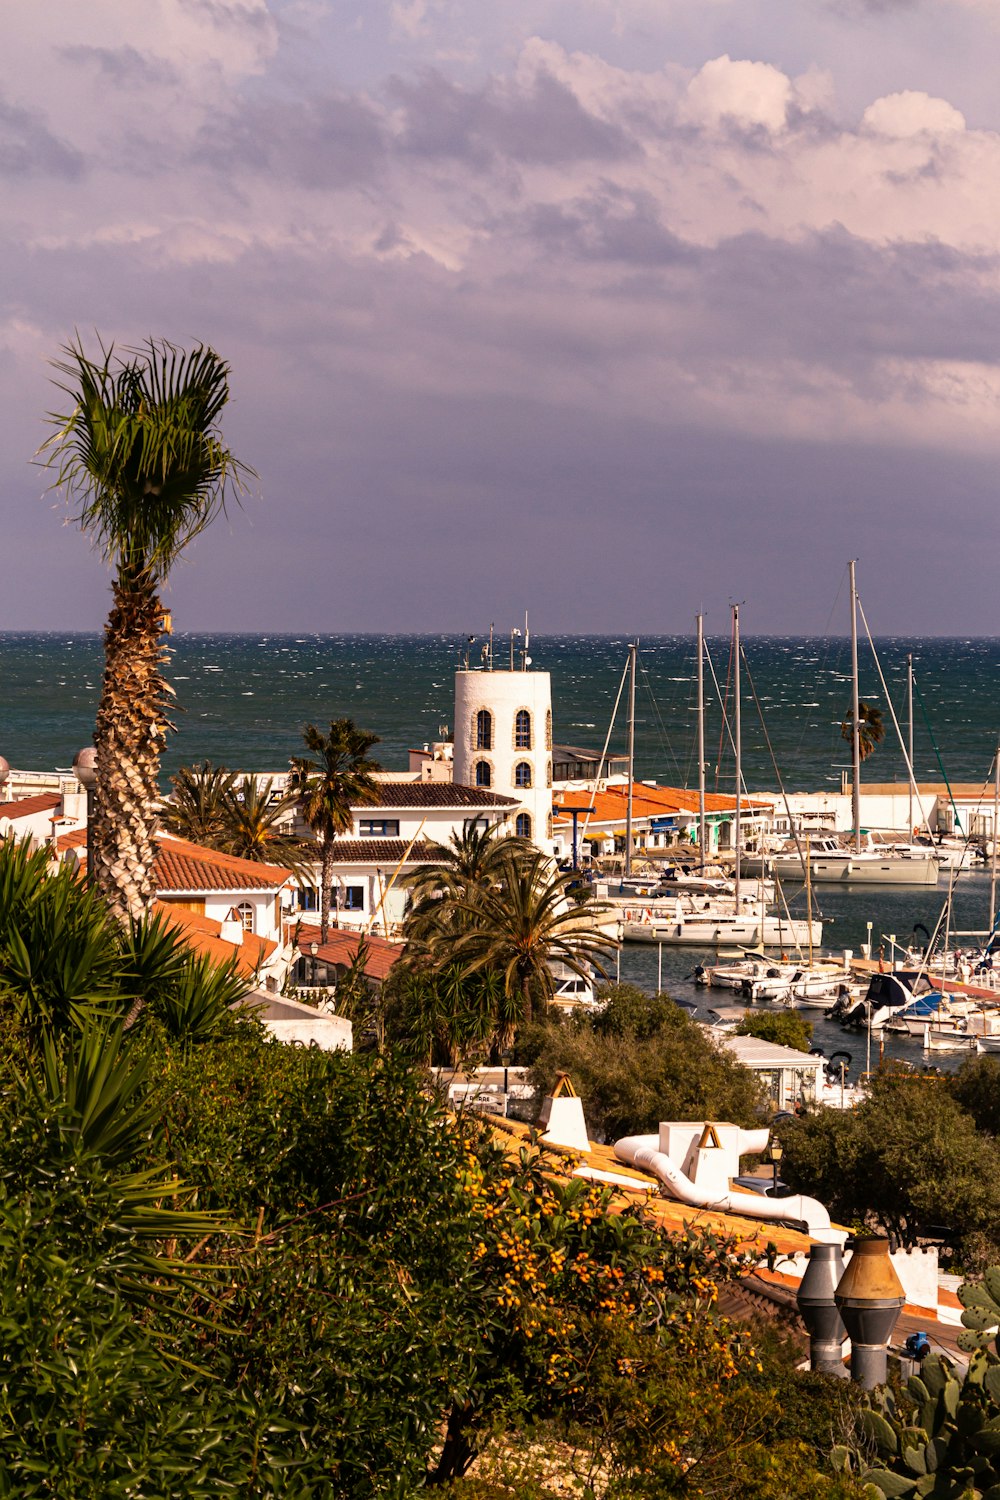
(941, 1438)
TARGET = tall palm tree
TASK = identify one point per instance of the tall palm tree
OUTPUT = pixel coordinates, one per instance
(140, 457)
(340, 775)
(521, 923)
(871, 730)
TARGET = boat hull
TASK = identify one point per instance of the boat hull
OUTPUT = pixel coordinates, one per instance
(720, 932)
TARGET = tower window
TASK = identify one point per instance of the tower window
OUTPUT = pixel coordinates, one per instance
(484, 730)
(548, 773)
(548, 729)
(522, 826)
(484, 775)
(522, 730)
(522, 774)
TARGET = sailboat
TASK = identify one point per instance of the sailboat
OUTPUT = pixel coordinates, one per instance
(863, 862)
(737, 920)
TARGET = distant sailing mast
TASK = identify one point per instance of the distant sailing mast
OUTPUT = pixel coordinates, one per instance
(632, 652)
(738, 750)
(855, 714)
(700, 622)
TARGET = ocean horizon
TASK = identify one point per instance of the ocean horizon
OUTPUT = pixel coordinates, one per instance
(242, 699)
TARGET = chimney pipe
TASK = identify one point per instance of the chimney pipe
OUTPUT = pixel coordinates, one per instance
(869, 1296)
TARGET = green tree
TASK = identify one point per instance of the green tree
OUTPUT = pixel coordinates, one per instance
(640, 1061)
(140, 456)
(255, 826)
(976, 1088)
(871, 730)
(339, 776)
(786, 1028)
(518, 926)
(196, 807)
(907, 1156)
(472, 860)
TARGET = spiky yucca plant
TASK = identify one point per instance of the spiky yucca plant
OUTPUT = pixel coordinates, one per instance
(140, 458)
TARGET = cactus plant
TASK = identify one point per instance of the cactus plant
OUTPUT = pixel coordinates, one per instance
(941, 1437)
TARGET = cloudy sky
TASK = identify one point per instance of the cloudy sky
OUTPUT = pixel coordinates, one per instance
(606, 309)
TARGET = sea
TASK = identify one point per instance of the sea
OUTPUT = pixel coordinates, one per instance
(242, 700)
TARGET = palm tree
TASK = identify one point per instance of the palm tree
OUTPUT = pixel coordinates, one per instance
(518, 925)
(341, 776)
(140, 456)
(197, 806)
(871, 730)
(470, 860)
(254, 825)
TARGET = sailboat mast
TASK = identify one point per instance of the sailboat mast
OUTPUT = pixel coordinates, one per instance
(632, 651)
(738, 748)
(700, 621)
(855, 714)
(996, 844)
(909, 709)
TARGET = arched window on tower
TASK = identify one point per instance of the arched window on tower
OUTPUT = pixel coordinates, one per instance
(548, 773)
(484, 775)
(522, 774)
(484, 730)
(522, 730)
(548, 826)
(548, 729)
(522, 826)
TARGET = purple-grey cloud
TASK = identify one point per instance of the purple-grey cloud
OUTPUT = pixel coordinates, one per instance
(544, 124)
(29, 149)
(124, 67)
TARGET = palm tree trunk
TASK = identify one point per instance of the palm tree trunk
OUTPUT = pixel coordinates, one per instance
(326, 880)
(129, 733)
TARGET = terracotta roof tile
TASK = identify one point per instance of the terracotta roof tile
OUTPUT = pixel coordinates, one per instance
(182, 866)
(647, 802)
(341, 946)
(26, 807)
(203, 935)
(436, 794)
(378, 852)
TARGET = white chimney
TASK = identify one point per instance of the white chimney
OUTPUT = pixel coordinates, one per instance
(231, 930)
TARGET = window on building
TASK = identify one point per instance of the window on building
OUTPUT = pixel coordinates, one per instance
(522, 730)
(548, 773)
(352, 898)
(522, 774)
(308, 898)
(379, 828)
(548, 730)
(484, 730)
(548, 826)
(484, 775)
(245, 913)
(522, 826)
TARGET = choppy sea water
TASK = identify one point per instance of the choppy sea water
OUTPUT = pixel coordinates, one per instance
(242, 700)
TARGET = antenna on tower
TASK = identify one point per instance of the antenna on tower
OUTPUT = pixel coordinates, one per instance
(525, 658)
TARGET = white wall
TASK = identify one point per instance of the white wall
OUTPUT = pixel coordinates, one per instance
(503, 695)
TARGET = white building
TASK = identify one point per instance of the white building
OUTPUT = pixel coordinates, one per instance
(503, 742)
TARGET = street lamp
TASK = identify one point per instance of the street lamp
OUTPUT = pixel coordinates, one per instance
(777, 1151)
(313, 950)
(85, 768)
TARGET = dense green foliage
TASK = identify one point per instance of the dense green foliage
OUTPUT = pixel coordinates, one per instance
(787, 1028)
(233, 1267)
(638, 1061)
(906, 1158)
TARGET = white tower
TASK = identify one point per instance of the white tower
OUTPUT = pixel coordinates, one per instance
(503, 740)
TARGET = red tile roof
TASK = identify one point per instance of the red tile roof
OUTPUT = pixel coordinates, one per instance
(341, 946)
(203, 935)
(610, 805)
(448, 795)
(378, 852)
(27, 806)
(182, 866)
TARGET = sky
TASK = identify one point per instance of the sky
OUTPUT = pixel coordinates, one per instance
(608, 310)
